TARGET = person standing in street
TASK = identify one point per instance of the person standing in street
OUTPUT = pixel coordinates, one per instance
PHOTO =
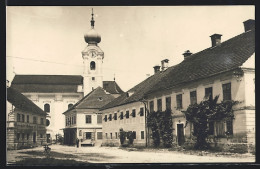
(77, 142)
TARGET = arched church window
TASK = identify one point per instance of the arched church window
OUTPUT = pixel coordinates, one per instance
(92, 65)
(47, 108)
(70, 105)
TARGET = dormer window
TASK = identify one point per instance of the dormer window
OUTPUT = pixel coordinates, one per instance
(92, 65)
(100, 98)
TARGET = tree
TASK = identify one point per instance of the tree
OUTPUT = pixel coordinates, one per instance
(122, 135)
(160, 123)
(200, 115)
(152, 122)
(131, 137)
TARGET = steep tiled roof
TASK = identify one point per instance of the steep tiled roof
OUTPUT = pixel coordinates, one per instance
(137, 92)
(94, 100)
(22, 102)
(229, 55)
(112, 87)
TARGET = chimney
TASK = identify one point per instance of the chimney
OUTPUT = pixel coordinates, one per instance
(249, 25)
(7, 83)
(186, 54)
(164, 64)
(215, 40)
(156, 69)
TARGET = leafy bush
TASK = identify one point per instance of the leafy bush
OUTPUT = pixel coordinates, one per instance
(205, 112)
(161, 126)
(130, 137)
(122, 136)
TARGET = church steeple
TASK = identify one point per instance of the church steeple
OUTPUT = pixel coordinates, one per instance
(92, 20)
(92, 37)
(93, 59)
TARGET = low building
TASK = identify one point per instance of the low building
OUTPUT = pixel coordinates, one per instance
(26, 122)
(84, 120)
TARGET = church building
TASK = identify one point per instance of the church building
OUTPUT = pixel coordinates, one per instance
(57, 93)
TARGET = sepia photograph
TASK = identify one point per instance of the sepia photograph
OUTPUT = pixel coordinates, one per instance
(130, 84)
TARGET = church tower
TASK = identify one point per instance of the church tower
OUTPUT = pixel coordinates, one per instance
(93, 59)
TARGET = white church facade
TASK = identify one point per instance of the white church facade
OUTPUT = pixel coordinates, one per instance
(57, 93)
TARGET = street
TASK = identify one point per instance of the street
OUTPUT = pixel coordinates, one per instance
(85, 155)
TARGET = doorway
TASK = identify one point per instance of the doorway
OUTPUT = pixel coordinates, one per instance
(180, 134)
(34, 137)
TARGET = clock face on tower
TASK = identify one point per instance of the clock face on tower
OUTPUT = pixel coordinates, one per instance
(92, 54)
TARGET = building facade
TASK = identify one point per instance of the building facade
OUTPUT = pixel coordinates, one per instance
(225, 69)
(26, 122)
(84, 120)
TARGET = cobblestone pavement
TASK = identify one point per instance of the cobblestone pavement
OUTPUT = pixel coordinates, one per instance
(116, 155)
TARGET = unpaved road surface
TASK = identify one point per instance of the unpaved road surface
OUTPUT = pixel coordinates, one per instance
(116, 155)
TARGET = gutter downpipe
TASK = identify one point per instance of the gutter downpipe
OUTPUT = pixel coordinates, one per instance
(145, 122)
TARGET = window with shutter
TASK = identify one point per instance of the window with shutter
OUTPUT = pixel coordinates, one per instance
(179, 101)
(193, 97)
(168, 103)
(159, 104)
(226, 91)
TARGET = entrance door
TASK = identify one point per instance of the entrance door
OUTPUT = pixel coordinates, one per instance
(34, 137)
(180, 134)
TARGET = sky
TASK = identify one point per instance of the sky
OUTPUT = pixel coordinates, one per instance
(50, 39)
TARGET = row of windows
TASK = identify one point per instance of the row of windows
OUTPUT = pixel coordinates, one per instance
(226, 89)
(47, 107)
(121, 116)
(116, 136)
(71, 120)
(89, 119)
(90, 135)
(22, 136)
(219, 128)
(21, 118)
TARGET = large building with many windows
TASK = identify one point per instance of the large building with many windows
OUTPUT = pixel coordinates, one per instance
(226, 69)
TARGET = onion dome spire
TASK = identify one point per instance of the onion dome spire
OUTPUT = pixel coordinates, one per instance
(92, 37)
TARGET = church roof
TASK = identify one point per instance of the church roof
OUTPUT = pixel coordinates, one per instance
(94, 100)
(22, 102)
(56, 84)
(230, 55)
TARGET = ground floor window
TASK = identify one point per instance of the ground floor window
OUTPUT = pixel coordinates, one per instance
(142, 134)
(116, 134)
(99, 135)
(220, 129)
(106, 135)
(88, 135)
(28, 135)
(18, 136)
(111, 136)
